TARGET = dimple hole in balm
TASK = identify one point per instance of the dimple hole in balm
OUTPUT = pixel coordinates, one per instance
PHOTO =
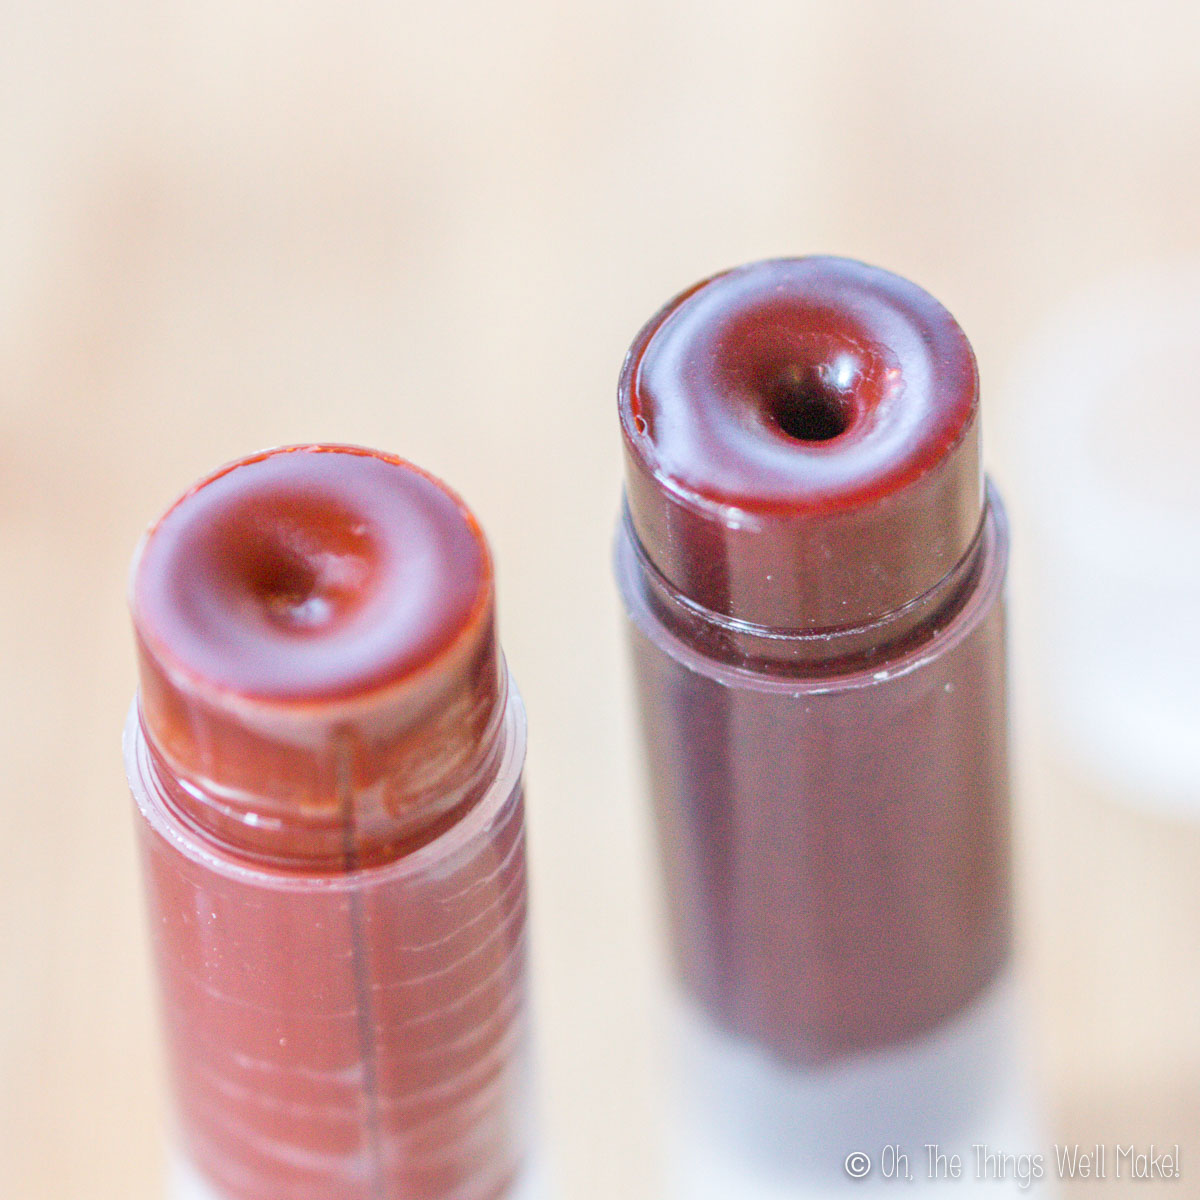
(813, 565)
(325, 755)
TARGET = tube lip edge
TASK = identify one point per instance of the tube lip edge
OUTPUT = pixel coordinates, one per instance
(978, 584)
(199, 842)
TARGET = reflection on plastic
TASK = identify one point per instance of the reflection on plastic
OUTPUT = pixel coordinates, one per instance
(1108, 405)
(813, 568)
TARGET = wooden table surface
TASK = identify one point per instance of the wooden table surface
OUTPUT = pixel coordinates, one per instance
(435, 229)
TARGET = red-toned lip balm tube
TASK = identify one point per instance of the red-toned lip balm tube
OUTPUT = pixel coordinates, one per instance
(325, 754)
(813, 569)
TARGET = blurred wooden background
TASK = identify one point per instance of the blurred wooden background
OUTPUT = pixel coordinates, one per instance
(434, 229)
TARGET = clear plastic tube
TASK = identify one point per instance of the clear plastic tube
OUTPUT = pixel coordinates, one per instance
(813, 570)
(340, 938)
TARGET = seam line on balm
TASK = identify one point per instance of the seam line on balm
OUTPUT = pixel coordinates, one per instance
(215, 799)
(203, 847)
(362, 989)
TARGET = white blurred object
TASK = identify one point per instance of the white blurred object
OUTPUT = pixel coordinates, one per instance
(1108, 405)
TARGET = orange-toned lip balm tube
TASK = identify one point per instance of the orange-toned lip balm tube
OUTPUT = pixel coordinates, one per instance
(813, 568)
(325, 754)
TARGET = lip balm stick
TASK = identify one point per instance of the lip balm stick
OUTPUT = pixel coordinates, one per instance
(813, 569)
(325, 754)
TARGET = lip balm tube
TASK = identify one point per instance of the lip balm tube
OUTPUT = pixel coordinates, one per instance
(812, 565)
(325, 754)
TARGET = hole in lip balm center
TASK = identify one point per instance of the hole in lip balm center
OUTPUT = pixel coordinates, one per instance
(290, 591)
(808, 409)
(305, 581)
(303, 565)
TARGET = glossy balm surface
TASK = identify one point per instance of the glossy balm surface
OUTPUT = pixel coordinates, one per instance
(326, 757)
(310, 575)
(802, 443)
